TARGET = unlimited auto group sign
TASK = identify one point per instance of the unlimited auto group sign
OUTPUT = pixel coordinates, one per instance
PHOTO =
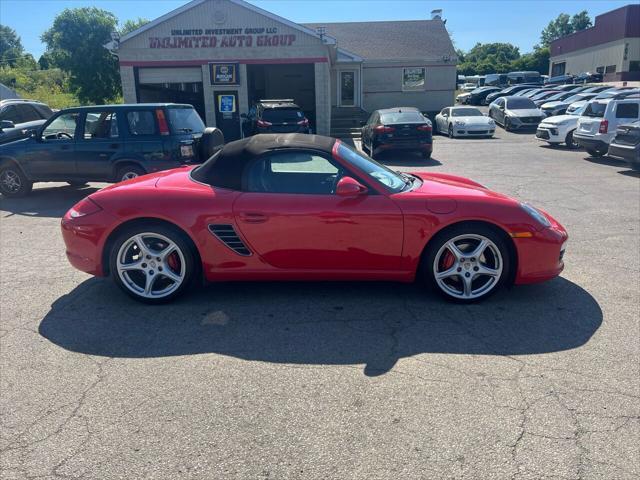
(223, 38)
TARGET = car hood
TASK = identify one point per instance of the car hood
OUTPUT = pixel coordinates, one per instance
(473, 120)
(553, 104)
(440, 184)
(558, 119)
(527, 112)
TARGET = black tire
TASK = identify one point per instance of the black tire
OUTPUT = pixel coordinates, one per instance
(78, 184)
(595, 153)
(128, 172)
(570, 142)
(179, 238)
(14, 183)
(507, 124)
(212, 141)
(442, 238)
(450, 131)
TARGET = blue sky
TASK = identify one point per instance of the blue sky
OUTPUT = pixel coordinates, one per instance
(515, 21)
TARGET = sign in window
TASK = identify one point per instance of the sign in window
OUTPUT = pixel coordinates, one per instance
(413, 78)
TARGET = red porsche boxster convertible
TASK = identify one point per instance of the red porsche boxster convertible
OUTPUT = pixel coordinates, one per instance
(307, 207)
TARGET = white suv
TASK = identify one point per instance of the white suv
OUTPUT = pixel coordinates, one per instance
(560, 128)
(598, 123)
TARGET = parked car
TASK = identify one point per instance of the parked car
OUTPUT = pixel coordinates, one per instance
(540, 100)
(401, 128)
(305, 207)
(478, 96)
(560, 128)
(560, 80)
(559, 107)
(463, 97)
(467, 87)
(276, 116)
(514, 78)
(596, 89)
(515, 113)
(598, 123)
(587, 77)
(496, 80)
(507, 92)
(464, 122)
(19, 117)
(107, 143)
(532, 92)
(626, 144)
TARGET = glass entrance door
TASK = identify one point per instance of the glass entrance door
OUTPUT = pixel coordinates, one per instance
(347, 88)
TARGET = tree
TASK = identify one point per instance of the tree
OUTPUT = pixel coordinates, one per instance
(131, 25)
(564, 25)
(75, 43)
(537, 61)
(486, 58)
(10, 46)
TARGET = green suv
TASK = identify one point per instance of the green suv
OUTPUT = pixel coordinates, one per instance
(107, 143)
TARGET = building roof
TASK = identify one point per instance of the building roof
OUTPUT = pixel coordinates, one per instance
(392, 40)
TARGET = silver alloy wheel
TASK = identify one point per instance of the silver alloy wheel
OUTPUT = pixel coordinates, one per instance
(10, 181)
(128, 176)
(468, 266)
(151, 265)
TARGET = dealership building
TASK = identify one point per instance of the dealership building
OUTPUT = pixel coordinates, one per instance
(223, 55)
(610, 47)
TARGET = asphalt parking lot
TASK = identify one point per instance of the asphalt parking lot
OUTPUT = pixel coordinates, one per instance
(334, 381)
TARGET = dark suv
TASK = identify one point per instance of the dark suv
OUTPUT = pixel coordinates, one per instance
(18, 117)
(275, 116)
(108, 143)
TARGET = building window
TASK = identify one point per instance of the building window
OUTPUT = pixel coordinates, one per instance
(413, 78)
(600, 70)
(626, 51)
(610, 69)
(634, 66)
(558, 69)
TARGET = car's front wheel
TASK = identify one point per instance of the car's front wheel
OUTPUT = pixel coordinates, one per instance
(595, 153)
(14, 183)
(153, 264)
(570, 141)
(450, 131)
(467, 263)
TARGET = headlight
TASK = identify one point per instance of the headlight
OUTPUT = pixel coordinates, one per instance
(459, 123)
(536, 214)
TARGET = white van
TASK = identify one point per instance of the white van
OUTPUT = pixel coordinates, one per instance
(597, 124)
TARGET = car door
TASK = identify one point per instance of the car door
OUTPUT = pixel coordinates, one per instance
(291, 217)
(99, 141)
(51, 156)
(498, 111)
(443, 120)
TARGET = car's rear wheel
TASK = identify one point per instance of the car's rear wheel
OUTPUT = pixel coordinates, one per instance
(128, 172)
(14, 183)
(595, 153)
(570, 142)
(153, 264)
(467, 263)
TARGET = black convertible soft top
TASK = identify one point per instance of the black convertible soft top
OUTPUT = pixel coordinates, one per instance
(224, 169)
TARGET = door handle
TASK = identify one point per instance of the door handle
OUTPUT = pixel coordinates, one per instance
(103, 155)
(253, 217)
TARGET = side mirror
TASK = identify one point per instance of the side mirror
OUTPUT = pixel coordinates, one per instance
(350, 187)
(6, 124)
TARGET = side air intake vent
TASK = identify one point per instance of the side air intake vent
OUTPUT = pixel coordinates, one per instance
(227, 235)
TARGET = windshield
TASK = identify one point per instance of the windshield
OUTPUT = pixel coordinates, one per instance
(401, 117)
(282, 115)
(542, 95)
(579, 96)
(466, 112)
(559, 96)
(185, 120)
(595, 109)
(390, 179)
(520, 103)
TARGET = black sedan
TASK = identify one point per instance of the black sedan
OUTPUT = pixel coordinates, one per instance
(402, 128)
(507, 92)
(479, 95)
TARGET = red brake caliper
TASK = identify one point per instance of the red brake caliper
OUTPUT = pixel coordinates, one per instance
(174, 262)
(447, 261)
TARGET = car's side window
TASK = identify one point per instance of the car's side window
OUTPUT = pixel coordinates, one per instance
(10, 114)
(627, 110)
(62, 127)
(141, 122)
(100, 125)
(300, 172)
(28, 113)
